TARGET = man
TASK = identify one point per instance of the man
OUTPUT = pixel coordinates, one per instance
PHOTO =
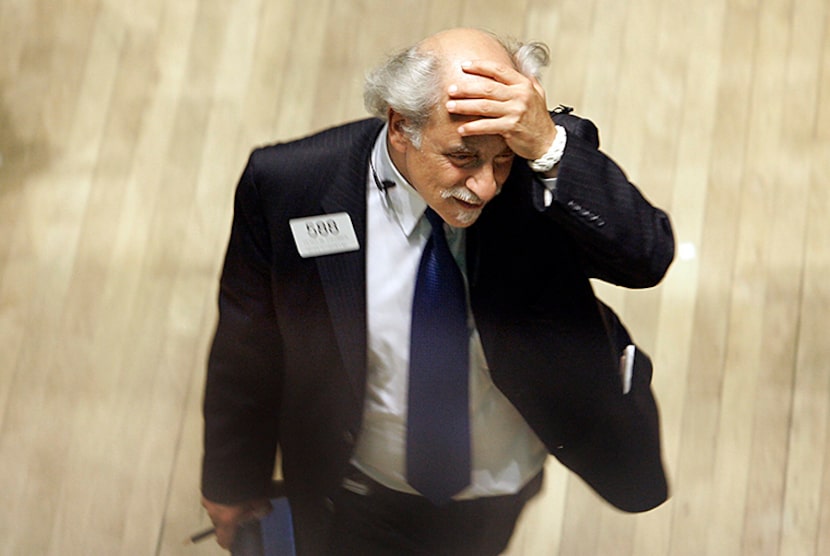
(320, 346)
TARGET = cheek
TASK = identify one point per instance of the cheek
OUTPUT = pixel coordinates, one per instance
(447, 176)
(502, 172)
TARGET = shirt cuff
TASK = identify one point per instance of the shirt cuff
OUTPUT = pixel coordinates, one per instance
(550, 187)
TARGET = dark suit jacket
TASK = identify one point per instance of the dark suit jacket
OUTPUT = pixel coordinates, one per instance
(288, 362)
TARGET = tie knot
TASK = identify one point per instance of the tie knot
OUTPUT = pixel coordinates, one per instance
(434, 219)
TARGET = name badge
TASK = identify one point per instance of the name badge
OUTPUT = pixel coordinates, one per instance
(324, 235)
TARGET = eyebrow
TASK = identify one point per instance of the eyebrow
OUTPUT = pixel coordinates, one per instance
(466, 148)
(461, 149)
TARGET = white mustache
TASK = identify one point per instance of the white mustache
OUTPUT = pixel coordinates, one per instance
(462, 194)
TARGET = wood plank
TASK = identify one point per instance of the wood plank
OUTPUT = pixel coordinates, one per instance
(805, 527)
(505, 17)
(300, 81)
(539, 530)
(746, 348)
(569, 53)
(54, 206)
(124, 128)
(693, 483)
(159, 364)
(813, 344)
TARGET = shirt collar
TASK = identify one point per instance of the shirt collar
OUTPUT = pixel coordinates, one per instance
(402, 200)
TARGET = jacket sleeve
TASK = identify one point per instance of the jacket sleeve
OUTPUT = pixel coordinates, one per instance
(621, 237)
(621, 455)
(242, 391)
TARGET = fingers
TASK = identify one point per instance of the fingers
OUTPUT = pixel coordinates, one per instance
(490, 108)
(496, 71)
(225, 534)
(488, 80)
(497, 91)
(503, 126)
(479, 87)
(227, 518)
(505, 105)
(259, 509)
(497, 99)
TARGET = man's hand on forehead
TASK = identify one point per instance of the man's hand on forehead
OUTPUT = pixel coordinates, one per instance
(502, 101)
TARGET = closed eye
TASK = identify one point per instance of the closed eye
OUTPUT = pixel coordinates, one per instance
(462, 159)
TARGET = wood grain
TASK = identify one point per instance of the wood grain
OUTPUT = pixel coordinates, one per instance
(123, 130)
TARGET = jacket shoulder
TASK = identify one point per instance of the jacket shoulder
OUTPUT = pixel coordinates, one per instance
(320, 145)
(309, 163)
(576, 125)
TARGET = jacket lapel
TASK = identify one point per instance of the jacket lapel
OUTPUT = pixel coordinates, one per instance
(344, 275)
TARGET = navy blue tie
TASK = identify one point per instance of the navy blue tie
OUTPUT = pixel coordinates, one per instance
(438, 420)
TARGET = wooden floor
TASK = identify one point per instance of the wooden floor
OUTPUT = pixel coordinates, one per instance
(124, 126)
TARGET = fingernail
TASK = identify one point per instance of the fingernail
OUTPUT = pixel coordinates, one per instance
(466, 64)
(451, 105)
(453, 89)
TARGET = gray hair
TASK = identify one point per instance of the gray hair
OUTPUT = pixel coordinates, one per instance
(409, 82)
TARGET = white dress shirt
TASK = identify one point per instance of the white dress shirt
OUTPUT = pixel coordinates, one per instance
(505, 451)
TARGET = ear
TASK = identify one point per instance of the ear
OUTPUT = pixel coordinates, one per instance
(398, 139)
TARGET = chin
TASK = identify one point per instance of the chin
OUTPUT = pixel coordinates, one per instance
(466, 217)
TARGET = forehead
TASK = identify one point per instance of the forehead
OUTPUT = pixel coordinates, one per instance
(481, 144)
(457, 45)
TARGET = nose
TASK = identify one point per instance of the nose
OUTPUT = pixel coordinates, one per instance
(482, 182)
